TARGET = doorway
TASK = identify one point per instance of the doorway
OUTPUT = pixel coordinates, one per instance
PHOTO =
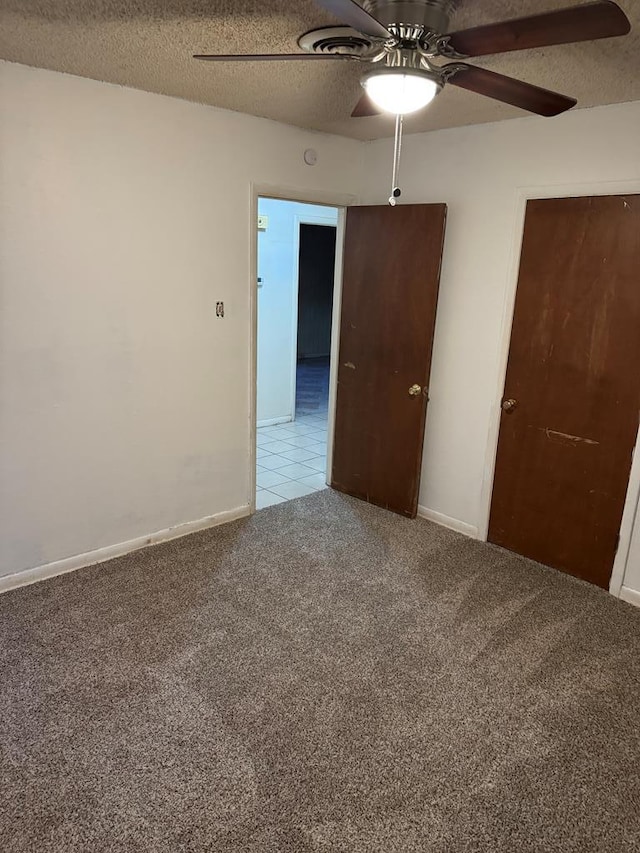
(295, 304)
(572, 390)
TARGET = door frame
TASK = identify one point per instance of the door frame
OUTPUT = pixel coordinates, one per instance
(304, 196)
(522, 196)
(298, 220)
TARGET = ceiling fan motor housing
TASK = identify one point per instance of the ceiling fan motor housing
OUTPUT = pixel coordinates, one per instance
(431, 15)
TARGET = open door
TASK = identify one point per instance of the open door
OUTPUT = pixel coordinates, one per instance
(391, 274)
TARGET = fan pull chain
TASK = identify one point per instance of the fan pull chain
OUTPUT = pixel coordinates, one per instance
(396, 192)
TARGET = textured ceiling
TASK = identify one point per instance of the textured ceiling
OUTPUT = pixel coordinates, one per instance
(147, 44)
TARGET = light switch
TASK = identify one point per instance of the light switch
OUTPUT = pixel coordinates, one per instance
(220, 309)
(263, 223)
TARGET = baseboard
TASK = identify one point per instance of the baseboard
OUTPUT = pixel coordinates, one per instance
(81, 561)
(447, 521)
(631, 596)
(274, 421)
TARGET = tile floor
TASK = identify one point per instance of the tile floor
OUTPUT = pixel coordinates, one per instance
(292, 457)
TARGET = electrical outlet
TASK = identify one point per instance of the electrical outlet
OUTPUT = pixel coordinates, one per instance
(219, 309)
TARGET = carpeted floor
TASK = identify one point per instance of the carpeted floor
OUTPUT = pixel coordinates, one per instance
(322, 677)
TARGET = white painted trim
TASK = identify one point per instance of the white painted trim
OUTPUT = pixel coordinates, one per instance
(100, 555)
(629, 516)
(253, 345)
(522, 195)
(446, 521)
(335, 339)
(631, 596)
(273, 421)
(298, 220)
(329, 199)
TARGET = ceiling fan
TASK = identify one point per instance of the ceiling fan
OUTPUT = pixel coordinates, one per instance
(400, 39)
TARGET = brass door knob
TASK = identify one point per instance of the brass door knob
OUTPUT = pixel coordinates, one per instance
(509, 405)
(415, 390)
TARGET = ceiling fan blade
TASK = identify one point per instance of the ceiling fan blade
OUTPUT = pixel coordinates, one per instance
(588, 22)
(365, 107)
(349, 12)
(267, 57)
(542, 102)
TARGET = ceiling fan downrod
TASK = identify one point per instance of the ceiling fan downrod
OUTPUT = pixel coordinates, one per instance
(396, 192)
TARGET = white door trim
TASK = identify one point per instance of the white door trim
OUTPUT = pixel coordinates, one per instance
(256, 190)
(522, 195)
(335, 339)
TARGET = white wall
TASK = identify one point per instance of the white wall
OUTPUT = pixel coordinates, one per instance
(631, 581)
(484, 174)
(277, 302)
(124, 216)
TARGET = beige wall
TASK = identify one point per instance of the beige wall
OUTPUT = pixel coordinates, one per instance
(124, 216)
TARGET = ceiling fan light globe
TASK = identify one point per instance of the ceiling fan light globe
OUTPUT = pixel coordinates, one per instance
(400, 93)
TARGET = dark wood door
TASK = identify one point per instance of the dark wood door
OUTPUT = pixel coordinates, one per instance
(390, 283)
(572, 391)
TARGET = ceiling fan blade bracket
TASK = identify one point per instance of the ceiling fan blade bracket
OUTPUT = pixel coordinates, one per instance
(444, 48)
(449, 71)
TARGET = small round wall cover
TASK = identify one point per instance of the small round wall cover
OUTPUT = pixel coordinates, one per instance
(311, 157)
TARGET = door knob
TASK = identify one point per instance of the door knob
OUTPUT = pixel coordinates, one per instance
(415, 390)
(509, 405)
